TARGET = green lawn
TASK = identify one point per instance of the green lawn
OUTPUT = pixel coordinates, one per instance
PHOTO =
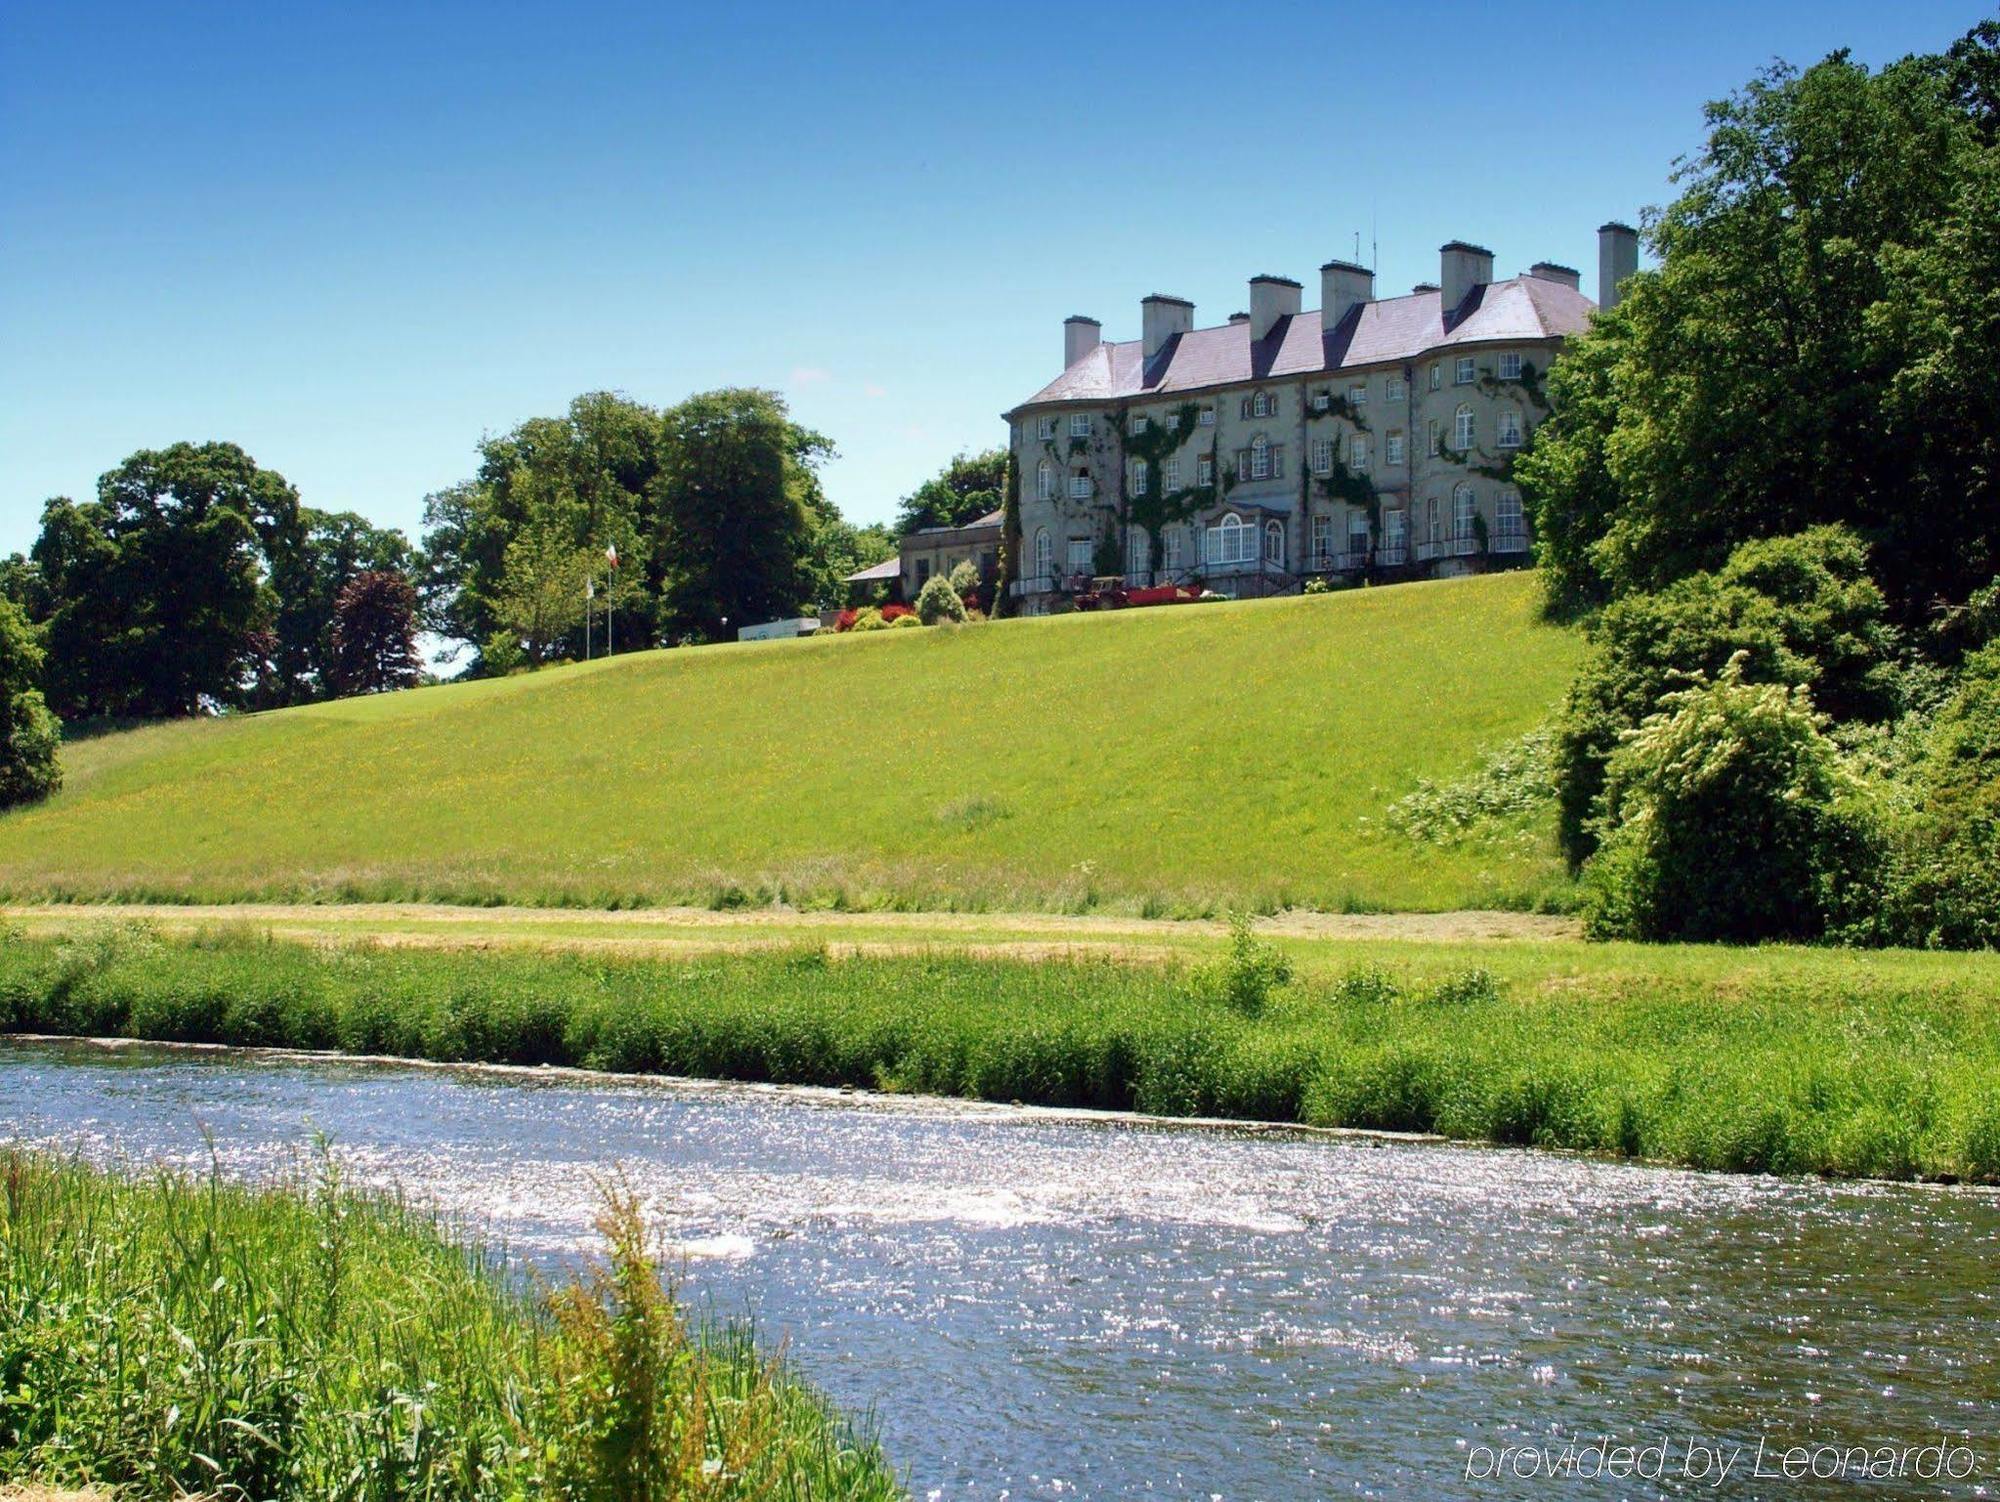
(1159, 761)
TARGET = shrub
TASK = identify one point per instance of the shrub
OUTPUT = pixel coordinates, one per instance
(965, 578)
(938, 601)
(1245, 978)
(905, 620)
(29, 734)
(869, 619)
(1942, 884)
(1797, 610)
(1726, 816)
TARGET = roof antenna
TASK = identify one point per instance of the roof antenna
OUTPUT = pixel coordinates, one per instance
(1357, 245)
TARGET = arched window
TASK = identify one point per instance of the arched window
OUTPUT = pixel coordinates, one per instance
(1045, 481)
(1461, 513)
(1138, 551)
(1044, 554)
(1260, 458)
(1462, 429)
(1231, 541)
(1274, 542)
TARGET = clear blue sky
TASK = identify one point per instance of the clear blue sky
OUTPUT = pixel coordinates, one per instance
(355, 237)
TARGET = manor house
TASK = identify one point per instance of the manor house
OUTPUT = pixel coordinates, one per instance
(1374, 437)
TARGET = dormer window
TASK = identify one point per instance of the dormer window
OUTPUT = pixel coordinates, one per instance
(1510, 367)
(1079, 425)
(1463, 371)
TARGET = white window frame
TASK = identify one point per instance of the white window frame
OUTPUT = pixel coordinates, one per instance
(1322, 402)
(1204, 470)
(1392, 447)
(1045, 427)
(1395, 529)
(1464, 508)
(1274, 542)
(1260, 458)
(1509, 436)
(1322, 541)
(1045, 553)
(1509, 367)
(1171, 543)
(1231, 542)
(1357, 453)
(1357, 394)
(1135, 479)
(1138, 551)
(1080, 487)
(1464, 429)
(1437, 376)
(1138, 424)
(1322, 456)
(1434, 437)
(1170, 477)
(1510, 524)
(1045, 481)
(1079, 425)
(1080, 557)
(1464, 371)
(1207, 417)
(1394, 390)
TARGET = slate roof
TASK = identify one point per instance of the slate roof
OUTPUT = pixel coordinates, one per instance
(1374, 333)
(990, 519)
(888, 568)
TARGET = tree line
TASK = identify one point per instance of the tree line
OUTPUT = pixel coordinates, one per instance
(197, 580)
(1770, 488)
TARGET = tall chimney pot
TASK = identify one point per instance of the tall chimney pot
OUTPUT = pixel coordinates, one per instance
(1617, 258)
(1271, 298)
(1080, 336)
(1161, 317)
(1461, 267)
(1342, 285)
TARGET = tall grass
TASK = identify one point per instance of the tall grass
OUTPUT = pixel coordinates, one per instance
(1800, 1067)
(179, 1337)
(1172, 761)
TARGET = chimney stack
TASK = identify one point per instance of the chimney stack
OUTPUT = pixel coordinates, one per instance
(1161, 317)
(1461, 267)
(1271, 298)
(1342, 285)
(1080, 336)
(1549, 271)
(1617, 258)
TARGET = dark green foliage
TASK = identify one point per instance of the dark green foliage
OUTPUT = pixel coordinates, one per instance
(1727, 816)
(736, 518)
(306, 582)
(1802, 611)
(1942, 888)
(30, 736)
(967, 488)
(157, 594)
(1820, 344)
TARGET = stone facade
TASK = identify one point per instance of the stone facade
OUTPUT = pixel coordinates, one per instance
(1372, 438)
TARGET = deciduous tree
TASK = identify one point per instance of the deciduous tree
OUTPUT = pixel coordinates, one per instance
(373, 646)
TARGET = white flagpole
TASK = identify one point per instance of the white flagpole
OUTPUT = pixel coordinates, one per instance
(589, 589)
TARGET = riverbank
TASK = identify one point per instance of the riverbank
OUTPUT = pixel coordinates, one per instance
(171, 1336)
(1789, 1061)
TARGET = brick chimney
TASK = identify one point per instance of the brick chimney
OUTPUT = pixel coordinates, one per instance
(1080, 336)
(1461, 267)
(1271, 298)
(1161, 317)
(1342, 285)
(1617, 258)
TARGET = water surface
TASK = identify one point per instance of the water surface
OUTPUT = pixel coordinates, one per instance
(1041, 1304)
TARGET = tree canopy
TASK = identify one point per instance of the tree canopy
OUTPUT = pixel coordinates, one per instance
(29, 734)
(1819, 344)
(965, 489)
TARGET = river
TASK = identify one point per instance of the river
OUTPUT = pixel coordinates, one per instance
(1049, 1305)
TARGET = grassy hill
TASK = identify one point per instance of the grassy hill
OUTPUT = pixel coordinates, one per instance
(1160, 760)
